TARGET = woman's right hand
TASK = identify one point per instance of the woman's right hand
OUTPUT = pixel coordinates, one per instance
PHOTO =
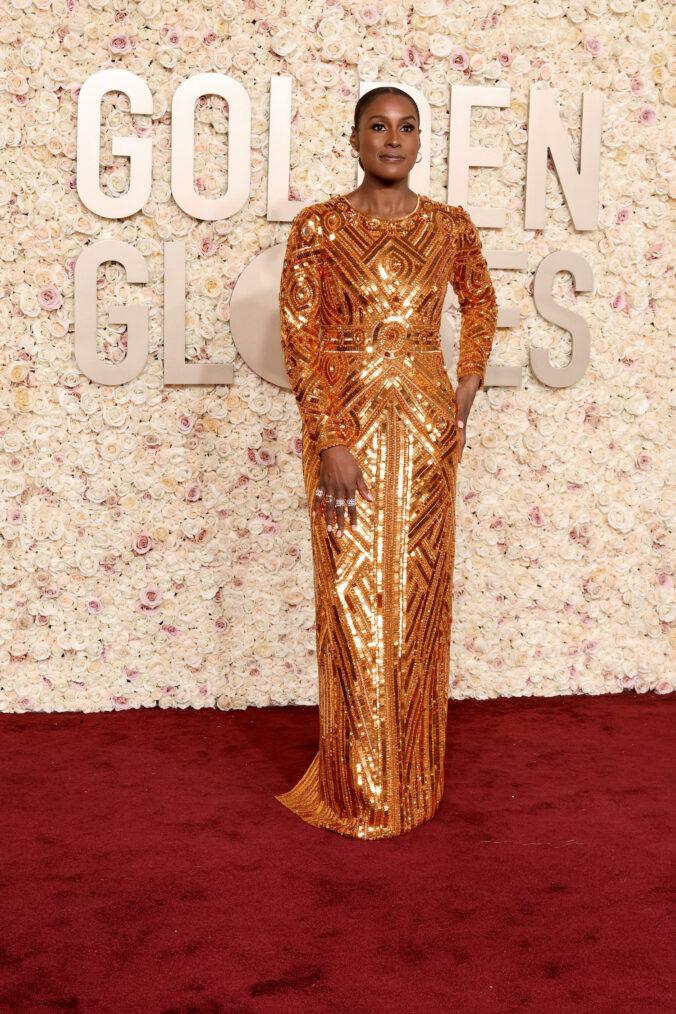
(339, 477)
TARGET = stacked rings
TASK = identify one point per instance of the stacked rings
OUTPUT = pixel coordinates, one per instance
(339, 503)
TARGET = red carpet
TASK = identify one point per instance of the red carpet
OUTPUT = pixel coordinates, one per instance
(147, 868)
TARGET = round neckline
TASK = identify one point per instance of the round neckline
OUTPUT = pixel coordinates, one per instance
(375, 218)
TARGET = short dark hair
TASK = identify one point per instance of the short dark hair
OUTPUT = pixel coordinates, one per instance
(364, 100)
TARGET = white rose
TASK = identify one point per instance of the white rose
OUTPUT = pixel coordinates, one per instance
(283, 44)
(428, 8)
(28, 303)
(368, 69)
(549, 9)
(667, 611)
(167, 57)
(411, 76)
(440, 45)
(620, 517)
(97, 492)
(88, 565)
(31, 54)
(89, 462)
(326, 75)
(437, 94)
(638, 404)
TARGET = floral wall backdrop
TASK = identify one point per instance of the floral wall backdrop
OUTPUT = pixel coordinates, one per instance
(154, 540)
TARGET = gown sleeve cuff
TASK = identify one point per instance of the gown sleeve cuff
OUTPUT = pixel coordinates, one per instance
(465, 370)
(329, 436)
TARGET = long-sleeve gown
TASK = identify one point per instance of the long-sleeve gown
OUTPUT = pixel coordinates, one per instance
(360, 308)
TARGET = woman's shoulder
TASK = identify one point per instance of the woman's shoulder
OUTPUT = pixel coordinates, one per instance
(449, 212)
(457, 221)
(311, 219)
(312, 212)
(306, 225)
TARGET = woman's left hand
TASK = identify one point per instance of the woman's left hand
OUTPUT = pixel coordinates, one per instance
(464, 396)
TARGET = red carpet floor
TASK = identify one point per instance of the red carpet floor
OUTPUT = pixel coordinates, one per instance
(148, 869)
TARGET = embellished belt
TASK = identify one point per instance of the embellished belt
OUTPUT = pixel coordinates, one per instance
(385, 336)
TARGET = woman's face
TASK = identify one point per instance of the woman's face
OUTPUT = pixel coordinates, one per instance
(388, 140)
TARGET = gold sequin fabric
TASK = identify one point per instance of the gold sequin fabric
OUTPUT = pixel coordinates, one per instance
(360, 308)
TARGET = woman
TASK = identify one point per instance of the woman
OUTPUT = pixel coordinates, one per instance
(380, 416)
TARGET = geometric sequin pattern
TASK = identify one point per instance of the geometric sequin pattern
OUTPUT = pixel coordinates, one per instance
(360, 310)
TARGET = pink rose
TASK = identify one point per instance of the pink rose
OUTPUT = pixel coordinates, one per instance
(536, 517)
(368, 15)
(410, 56)
(647, 115)
(620, 302)
(591, 413)
(206, 248)
(118, 44)
(50, 298)
(459, 59)
(624, 215)
(193, 493)
(505, 58)
(493, 19)
(657, 250)
(593, 45)
(142, 544)
(185, 423)
(150, 597)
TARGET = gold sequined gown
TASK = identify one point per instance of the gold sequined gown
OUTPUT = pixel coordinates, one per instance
(360, 308)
